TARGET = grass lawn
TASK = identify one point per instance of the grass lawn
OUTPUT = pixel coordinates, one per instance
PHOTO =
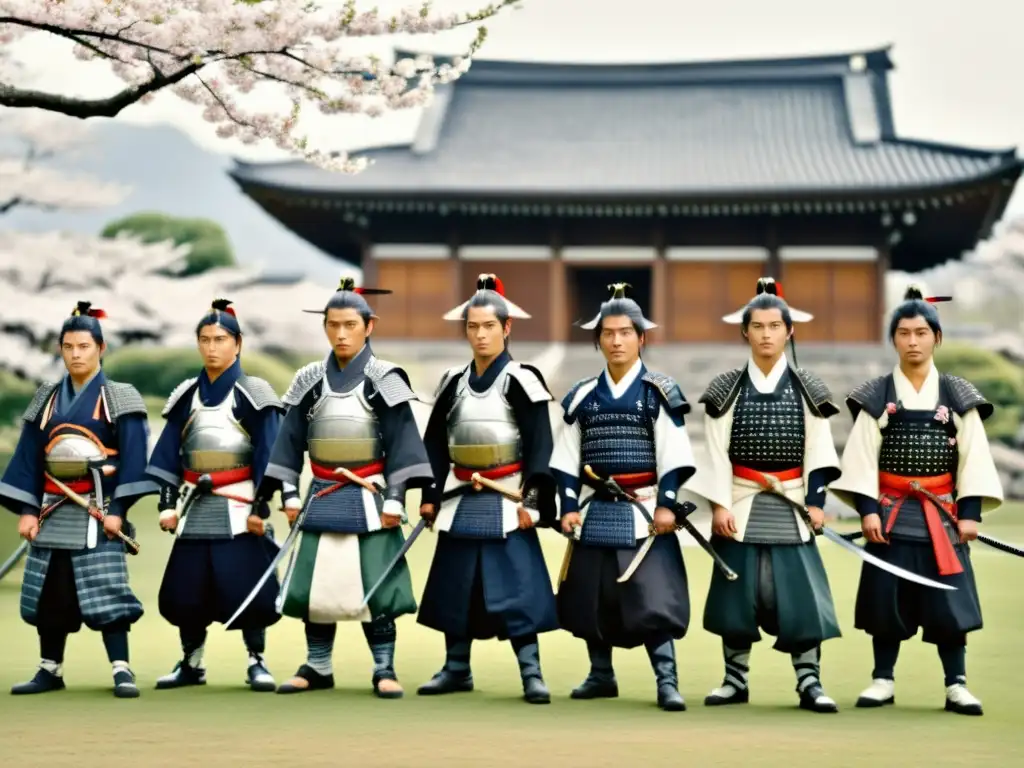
(227, 724)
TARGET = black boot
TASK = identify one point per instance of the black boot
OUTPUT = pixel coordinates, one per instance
(257, 676)
(528, 655)
(316, 681)
(663, 661)
(381, 637)
(455, 676)
(734, 688)
(124, 682)
(808, 682)
(181, 676)
(43, 682)
(600, 683)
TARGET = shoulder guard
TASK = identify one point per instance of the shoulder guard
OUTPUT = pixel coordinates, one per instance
(669, 390)
(123, 399)
(449, 375)
(258, 392)
(816, 392)
(721, 392)
(870, 397)
(177, 394)
(567, 404)
(531, 381)
(305, 379)
(389, 381)
(965, 396)
(39, 400)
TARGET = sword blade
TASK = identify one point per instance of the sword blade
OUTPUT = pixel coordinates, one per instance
(12, 561)
(637, 558)
(292, 535)
(1003, 546)
(395, 560)
(895, 570)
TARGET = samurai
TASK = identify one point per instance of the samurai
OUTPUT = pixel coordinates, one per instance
(624, 426)
(918, 469)
(770, 450)
(78, 468)
(351, 413)
(220, 427)
(488, 578)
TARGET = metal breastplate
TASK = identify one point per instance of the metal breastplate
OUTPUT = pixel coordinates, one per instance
(768, 428)
(69, 455)
(482, 430)
(343, 429)
(213, 440)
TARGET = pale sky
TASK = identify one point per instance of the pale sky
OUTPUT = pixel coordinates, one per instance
(958, 79)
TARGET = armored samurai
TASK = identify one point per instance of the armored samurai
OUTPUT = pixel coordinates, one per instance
(918, 469)
(351, 412)
(488, 579)
(78, 468)
(770, 453)
(220, 427)
(619, 458)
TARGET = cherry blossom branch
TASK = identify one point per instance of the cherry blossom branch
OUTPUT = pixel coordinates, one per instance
(156, 45)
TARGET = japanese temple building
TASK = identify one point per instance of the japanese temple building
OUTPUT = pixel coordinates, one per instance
(688, 181)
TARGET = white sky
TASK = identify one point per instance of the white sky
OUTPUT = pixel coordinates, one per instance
(958, 79)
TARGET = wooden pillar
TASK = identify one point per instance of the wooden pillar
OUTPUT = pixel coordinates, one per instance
(882, 270)
(558, 306)
(659, 297)
(368, 264)
(455, 280)
(773, 265)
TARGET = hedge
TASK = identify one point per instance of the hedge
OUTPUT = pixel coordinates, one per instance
(1000, 381)
(156, 372)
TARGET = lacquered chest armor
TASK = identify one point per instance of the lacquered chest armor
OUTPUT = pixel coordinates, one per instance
(343, 429)
(213, 440)
(482, 430)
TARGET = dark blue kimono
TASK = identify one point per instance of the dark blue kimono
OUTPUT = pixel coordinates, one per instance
(206, 579)
(481, 587)
(67, 582)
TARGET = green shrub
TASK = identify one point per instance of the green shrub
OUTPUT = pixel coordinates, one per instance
(209, 243)
(998, 379)
(15, 395)
(156, 372)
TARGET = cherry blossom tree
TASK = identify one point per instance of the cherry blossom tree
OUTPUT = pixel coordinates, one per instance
(29, 139)
(43, 276)
(211, 53)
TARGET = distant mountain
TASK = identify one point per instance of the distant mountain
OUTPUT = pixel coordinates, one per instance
(171, 174)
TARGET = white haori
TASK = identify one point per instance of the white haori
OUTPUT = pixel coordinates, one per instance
(715, 482)
(509, 508)
(238, 511)
(672, 450)
(976, 469)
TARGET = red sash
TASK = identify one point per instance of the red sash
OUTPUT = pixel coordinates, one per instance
(340, 481)
(78, 486)
(220, 479)
(465, 474)
(761, 478)
(898, 487)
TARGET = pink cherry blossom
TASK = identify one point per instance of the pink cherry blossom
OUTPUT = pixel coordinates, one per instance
(890, 408)
(942, 414)
(210, 52)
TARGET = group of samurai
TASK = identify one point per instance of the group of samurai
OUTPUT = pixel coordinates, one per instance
(614, 473)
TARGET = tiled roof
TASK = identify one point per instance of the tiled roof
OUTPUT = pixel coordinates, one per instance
(749, 128)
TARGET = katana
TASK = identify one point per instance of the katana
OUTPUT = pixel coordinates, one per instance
(845, 543)
(352, 477)
(486, 482)
(91, 509)
(287, 545)
(982, 537)
(686, 508)
(12, 561)
(406, 545)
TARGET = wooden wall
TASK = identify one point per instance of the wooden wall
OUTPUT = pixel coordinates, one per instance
(700, 293)
(527, 283)
(843, 296)
(423, 291)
